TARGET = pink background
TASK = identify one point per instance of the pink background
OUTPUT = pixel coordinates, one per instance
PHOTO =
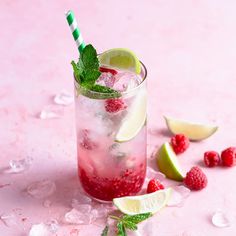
(189, 49)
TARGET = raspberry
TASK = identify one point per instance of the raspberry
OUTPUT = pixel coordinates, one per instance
(154, 185)
(211, 158)
(108, 70)
(114, 105)
(228, 157)
(179, 143)
(195, 179)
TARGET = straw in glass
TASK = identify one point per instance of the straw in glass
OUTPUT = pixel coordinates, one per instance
(70, 17)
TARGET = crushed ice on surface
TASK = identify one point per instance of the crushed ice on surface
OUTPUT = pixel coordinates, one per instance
(18, 166)
(152, 174)
(52, 225)
(64, 98)
(222, 219)
(51, 112)
(41, 189)
(76, 217)
(83, 208)
(9, 219)
(39, 230)
(178, 196)
(81, 199)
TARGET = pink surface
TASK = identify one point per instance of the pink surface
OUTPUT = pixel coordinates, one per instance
(189, 50)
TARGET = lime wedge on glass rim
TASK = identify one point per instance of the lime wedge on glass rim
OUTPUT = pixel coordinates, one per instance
(121, 58)
(168, 164)
(194, 131)
(151, 202)
(134, 120)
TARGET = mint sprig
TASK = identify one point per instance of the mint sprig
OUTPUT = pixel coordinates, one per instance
(86, 71)
(127, 222)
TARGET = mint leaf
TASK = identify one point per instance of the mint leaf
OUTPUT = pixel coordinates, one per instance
(89, 58)
(105, 231)
(104, 89)
(77, 72)
(136, 218)
(86, 72)
(121, 229)
(129, 225)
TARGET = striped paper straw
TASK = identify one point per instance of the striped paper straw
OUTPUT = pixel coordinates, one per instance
(70, 17)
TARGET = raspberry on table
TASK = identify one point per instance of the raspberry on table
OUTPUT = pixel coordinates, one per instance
(179, 143)
(154, 185)
(228, 157)
(114, 105)
(195, 179)
(211, 158)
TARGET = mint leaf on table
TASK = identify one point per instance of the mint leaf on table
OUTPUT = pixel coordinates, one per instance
(136, 218)
(105, 231)
(129, 222)
(86, 71)
(121, 229)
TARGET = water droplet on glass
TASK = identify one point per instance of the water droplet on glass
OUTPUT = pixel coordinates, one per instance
(39, 230)
(52, 225)
(64, 98)
(152, 174)
(76, 217)
(178, 196)
(51, 112)
(18, 166)
(41, 189)
(9, 219)
(221, 219)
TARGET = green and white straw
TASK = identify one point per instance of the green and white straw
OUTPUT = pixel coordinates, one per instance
(70, 17)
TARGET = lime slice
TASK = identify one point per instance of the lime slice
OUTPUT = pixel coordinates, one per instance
(121, 58)
(168, 164)
(194, 131)
(135, 119)
(151, 202)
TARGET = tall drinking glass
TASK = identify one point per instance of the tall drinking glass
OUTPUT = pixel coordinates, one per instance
(111, 136)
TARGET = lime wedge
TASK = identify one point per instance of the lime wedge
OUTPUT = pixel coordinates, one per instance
(134, 120)
(121, 58)
(168, 164)
(194, 131)
(151, 202)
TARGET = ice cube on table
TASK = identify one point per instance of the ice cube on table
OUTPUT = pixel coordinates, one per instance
(64, 98)
(51, 112)
(9, 219)
(41, 189)
(81, 198)
(222, 219)
(52, 225)
(39, 230)
(76, 217)
(152, 174)
(18, 166)
(178, 196)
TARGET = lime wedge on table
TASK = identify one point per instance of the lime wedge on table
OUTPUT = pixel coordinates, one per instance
(168, 164)
(134, 120)
(121, 58)
(194, 131)
(151, 202)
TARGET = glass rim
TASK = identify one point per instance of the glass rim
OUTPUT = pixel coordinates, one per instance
(99, 94)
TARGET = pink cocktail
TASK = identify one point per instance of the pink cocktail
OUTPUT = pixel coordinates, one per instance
(108, 166)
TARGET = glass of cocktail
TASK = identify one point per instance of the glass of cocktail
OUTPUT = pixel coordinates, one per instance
(111, 134)
(110, 100)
